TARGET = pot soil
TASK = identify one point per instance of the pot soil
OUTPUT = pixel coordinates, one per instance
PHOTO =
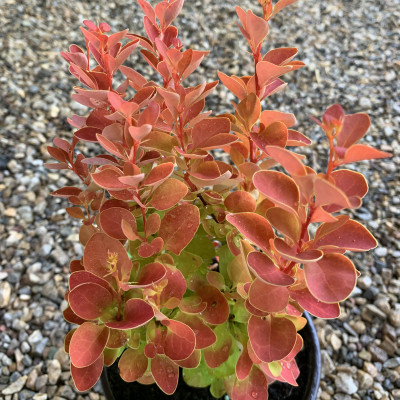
(308, 360)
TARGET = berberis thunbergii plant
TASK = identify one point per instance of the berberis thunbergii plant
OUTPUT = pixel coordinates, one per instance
(190, 261)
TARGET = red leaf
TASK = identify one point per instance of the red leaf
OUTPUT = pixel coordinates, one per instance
(179, 226)
(350, 235)
(56, 165)
(268, 298)
(248, 111)
(107, 178)
(117, 339)
(326, 193)
(111, 220)
(165, 373)
(275, 134)
(136, 79)
(168, 194)
(267, 71)
(192, 305)
(67, 191)
(279, 188)
(289, 160)
(89, 300)
(360, 152)
(217, 310)
(352, 183)
(282, 55)
(281, 4)
(354, 127)
(149, 249)
(153, 223)
(285, 222)
(243, 365)
(315, 307)
(332, 278)
(132, 365)
(172, 11)
(136, 313)
(205, 336)
(172, 294)
(266, 270)
(295, 138)
(253, 387)
(238, 88)
(150, 274)
(78, 277)
(212, 133)
(192, 361)
(269, 116)
(96, 256)
(291, 253)
(271, 338)
(240, 201)
(254, 227)
(71, 317)
(86, 377)
(88, 133)
(87, 344)
(179, 341)
(159, 173)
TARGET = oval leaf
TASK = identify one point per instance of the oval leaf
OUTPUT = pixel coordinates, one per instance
(165, 373)
(111, 221)
(267, 297)
(217, 310)
(332, 278)
(85, 378)
(98, 251)
(89, 300)
(350, 236)
(254, 227)
(179, 226)
(159, 174)
(266, 270)
(240, 201)
(180, 340)
(271, 338)
(136, 313)
(169, 193)
(132, 365)
(279, 188)
(87, 344)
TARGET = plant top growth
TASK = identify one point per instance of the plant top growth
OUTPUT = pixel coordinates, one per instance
(190, 261)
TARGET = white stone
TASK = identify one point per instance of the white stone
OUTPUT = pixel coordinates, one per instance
(5, 293)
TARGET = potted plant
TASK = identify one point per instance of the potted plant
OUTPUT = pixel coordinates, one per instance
(192, 263)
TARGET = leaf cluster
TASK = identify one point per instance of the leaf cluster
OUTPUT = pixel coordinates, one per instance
(190, 261)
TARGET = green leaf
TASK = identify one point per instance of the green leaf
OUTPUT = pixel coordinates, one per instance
(240, 313)
(275, 367)
(187, 262)
(217, 388)
(225, 258)
(227, 368)
(198, 377)
(202, 246)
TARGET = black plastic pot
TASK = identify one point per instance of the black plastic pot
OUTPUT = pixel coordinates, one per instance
(308, 360)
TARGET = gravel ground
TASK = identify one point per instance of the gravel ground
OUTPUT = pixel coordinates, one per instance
(350, 47)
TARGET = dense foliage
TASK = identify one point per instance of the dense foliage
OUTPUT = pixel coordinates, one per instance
(190, 261)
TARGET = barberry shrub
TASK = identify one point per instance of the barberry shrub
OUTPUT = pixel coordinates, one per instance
(190, 261)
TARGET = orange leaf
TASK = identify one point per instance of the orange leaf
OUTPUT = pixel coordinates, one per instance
(169, 193)
(179, 226)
